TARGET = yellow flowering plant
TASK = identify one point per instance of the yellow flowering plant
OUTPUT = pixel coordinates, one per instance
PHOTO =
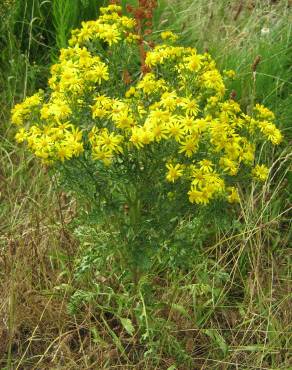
(148, 138)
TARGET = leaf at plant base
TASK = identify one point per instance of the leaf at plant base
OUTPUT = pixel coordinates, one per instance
(128, 325)
(172, 367)
(218, 339)
(179, 308)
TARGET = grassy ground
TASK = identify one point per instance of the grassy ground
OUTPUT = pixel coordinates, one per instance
(230, 306)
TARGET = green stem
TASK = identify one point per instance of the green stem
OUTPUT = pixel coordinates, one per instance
(135, 217)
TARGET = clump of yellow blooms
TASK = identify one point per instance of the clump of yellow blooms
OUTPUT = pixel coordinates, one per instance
(177, 108)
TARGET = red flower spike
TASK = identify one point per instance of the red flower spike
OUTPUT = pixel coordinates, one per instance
(143, 15)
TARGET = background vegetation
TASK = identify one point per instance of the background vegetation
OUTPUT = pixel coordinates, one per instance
(220, 302)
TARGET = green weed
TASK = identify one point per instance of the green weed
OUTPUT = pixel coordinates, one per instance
(220, 302)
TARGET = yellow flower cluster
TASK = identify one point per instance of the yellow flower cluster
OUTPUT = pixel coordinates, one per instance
(168, 35)
(105, 144)
(206, 183)
(176, 109)
(25, 110)
(63, 141)
(111, 27)
(77, 71)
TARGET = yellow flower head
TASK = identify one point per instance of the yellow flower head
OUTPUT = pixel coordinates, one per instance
(260, 172)
(233, 196)
(168, 35)
(174, 172)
